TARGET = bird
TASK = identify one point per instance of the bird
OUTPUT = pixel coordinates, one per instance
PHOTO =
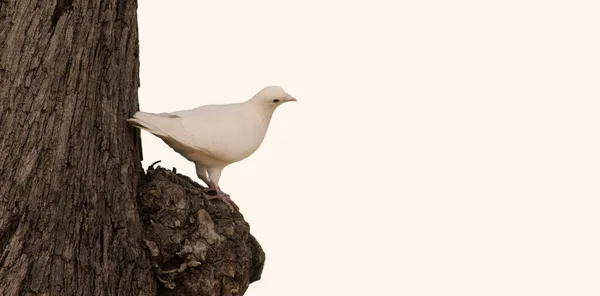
(215, 136)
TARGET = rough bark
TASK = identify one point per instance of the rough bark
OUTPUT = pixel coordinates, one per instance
(70, 165)
(70, 171)
(197, 247)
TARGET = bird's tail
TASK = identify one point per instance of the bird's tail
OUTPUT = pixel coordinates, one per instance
(143, 120)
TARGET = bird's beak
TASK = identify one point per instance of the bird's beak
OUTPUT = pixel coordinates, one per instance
(291, 99)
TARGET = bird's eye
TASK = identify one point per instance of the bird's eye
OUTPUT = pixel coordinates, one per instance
(276, 101)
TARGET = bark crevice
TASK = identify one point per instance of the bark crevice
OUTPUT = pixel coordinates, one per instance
(59, 9)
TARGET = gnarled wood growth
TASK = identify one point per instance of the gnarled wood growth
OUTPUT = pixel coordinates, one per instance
(198, 247)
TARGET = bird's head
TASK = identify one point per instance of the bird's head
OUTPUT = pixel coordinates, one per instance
(271, 97)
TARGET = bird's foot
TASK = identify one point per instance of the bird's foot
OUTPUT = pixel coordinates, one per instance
(224, 197)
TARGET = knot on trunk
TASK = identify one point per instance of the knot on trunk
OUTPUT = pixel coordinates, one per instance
(197, 247)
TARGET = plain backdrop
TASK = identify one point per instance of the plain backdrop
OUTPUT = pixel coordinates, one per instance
(436, 148)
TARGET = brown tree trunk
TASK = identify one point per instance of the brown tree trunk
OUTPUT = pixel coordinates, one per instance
(73, 219)
(70, 166)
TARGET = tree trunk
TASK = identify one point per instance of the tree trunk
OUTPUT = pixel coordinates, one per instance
(70, 170)
(70, 165)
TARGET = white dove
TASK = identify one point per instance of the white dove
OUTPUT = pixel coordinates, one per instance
(215, 136)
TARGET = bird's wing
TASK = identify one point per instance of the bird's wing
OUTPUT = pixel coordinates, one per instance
(227, 133)
(170, 123)
(166, 126)
(219, 129)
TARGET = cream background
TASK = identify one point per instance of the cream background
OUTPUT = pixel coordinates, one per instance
(437, 148)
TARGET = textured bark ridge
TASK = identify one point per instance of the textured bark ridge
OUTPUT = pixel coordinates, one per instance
(198, 247)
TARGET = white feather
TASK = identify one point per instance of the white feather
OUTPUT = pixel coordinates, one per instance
(214, 136)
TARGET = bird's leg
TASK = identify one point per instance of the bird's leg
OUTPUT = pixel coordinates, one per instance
(224, 197)
(212, 176)
(202, 174)
(219, 194)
